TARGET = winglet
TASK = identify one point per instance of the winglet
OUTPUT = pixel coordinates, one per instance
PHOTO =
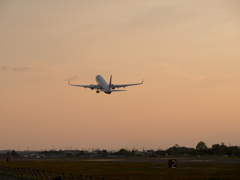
(142, 81)
(69, 82)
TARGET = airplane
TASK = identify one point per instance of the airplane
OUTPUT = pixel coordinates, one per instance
(103, 86)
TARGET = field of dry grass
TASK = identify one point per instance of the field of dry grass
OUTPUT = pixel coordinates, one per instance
(112, 170)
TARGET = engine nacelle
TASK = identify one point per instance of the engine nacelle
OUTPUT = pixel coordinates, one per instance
(92, 87)
(113, 87)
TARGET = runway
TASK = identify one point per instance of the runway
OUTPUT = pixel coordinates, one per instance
(179, 160)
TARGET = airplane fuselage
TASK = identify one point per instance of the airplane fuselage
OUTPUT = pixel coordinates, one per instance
(101, 82)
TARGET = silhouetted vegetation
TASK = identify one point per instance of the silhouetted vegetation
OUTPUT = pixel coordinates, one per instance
(176, 150)
(202, 149)
(14, 154)
(125, 152)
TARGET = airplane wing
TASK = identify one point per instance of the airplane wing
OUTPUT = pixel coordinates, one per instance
(125, 85)
(86, 86)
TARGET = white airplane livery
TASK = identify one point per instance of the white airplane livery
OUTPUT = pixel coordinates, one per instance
(104, 86)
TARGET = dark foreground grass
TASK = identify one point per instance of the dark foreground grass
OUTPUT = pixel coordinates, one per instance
(130, 170)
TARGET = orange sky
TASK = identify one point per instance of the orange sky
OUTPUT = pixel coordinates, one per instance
(188, 53)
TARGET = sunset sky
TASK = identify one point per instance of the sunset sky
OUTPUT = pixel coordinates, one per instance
(187, 52)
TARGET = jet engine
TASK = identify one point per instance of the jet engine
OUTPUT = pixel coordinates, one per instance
(92, 87)
(113, 87)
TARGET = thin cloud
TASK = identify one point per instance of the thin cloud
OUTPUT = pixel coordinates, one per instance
(30, 66)
(74, 77)
(42, 72)
(16, 68)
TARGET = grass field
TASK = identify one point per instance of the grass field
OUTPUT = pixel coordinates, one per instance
(129, 170)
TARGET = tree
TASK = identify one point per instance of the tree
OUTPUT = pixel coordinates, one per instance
(224, 150)
(221, 149)
(175, 150)
(201, 146)
(125, 152)
(215, 149)
(14, 154)
(234, 150)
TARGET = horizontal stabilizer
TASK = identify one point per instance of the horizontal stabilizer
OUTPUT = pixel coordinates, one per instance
(118, 90)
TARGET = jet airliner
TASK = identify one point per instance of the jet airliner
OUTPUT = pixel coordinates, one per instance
(102, 85)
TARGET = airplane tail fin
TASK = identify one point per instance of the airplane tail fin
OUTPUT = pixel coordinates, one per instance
(110, 82)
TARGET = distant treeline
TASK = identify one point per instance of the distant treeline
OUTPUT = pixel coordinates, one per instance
(201, 149)
(176, 150)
